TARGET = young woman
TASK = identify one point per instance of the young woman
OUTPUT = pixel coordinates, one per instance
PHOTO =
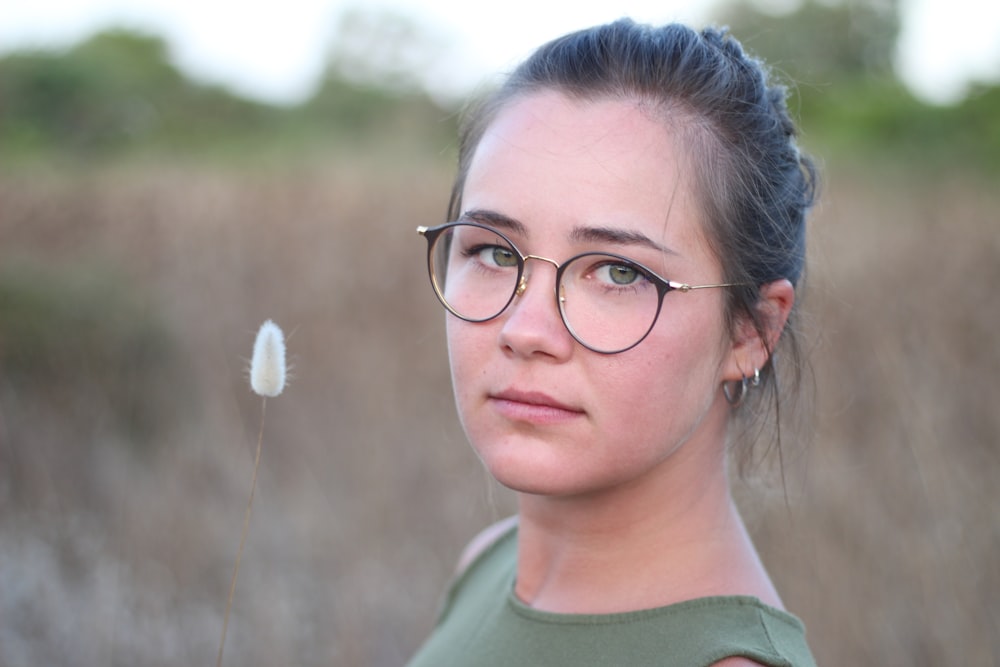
(627, 233)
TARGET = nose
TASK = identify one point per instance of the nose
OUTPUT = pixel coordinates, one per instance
(532, 325)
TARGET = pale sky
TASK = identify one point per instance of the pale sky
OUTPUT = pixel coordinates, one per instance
(274, 50)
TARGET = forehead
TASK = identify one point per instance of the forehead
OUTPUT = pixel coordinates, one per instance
(546, 157)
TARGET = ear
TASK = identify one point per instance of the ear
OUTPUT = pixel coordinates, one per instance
(750, 350)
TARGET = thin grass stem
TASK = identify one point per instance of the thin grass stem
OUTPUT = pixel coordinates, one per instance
(243, 537)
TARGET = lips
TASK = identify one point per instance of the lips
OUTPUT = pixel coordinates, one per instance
(534, 407)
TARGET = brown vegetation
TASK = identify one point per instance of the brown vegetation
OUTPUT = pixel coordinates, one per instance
(129, 298)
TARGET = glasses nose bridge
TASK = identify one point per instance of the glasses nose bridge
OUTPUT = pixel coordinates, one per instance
(522, 284)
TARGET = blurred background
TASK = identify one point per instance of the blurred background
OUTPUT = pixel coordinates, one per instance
(154, 211)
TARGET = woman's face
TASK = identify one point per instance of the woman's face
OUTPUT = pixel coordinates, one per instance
(546, 415)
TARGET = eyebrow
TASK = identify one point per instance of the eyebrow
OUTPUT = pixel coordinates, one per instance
(620, 237)
(495, 219)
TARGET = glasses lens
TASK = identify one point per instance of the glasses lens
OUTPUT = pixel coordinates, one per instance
(608, 302)
(475, 271)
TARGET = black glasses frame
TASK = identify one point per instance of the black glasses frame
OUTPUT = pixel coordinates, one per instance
(662, 284)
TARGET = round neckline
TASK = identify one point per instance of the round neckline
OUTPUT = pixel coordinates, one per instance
(525, 610)
(714, 601)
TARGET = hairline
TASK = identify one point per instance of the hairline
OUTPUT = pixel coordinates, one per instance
(694, 132)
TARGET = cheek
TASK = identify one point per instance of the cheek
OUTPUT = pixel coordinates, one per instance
(661, 387)
(457, 352)
(467, 347)
(671, 379)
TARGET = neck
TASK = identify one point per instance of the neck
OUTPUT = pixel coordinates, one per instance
(674, 536)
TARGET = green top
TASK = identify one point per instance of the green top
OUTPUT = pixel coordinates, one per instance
(485, 625)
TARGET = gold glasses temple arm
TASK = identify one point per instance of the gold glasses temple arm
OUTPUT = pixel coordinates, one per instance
(684, 287)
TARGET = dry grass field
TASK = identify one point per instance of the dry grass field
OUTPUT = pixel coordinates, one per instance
(129, 299)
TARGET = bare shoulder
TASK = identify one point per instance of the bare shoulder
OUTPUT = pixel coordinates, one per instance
(483, 541)
(736, 662)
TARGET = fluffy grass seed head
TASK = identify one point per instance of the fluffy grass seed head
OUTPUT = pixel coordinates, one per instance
(267, 379)
(267, 368)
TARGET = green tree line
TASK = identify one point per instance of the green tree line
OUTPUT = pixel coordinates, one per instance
(837, 61)
(117, 92)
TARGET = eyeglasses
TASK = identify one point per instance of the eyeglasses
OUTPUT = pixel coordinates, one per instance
(607, 302)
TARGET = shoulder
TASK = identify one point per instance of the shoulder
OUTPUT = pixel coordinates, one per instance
(483, 541)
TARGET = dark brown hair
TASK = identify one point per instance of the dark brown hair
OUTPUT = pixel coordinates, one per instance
(755, 184)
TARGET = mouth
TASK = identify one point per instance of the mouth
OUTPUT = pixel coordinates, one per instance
(533, 407)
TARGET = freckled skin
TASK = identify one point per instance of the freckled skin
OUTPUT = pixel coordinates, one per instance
(618, 460)
(555, 165)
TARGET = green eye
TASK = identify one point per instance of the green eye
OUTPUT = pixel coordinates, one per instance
(504, 257)
(622, 274)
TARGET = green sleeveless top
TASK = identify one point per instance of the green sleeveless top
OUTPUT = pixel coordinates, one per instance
(483, 624)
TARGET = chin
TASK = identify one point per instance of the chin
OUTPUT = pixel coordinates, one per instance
(532, 484)
(525, 466)
(533, 468)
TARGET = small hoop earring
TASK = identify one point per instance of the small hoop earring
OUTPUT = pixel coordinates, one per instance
(737, 400)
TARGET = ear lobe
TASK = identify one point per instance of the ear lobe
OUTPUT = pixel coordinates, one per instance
(752, 348)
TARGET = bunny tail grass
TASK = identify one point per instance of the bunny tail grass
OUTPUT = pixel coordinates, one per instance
(267, 368)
